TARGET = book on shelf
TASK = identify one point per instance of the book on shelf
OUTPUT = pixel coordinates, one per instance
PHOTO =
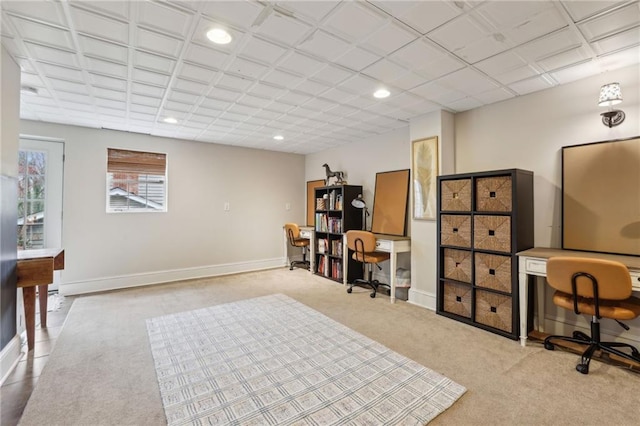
(323, 245)
(336, 247)
(322, 224)
(336, 269)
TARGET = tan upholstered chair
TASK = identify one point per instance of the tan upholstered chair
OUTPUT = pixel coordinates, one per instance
(293, 235)
(363, 244)
(596, 287)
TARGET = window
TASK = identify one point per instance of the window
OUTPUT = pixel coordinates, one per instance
(32, 166)
(136, 181)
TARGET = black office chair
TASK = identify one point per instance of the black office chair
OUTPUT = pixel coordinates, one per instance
(596, 287)
(293, 235)
(363, 244)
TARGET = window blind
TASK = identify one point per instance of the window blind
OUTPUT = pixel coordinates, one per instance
(126, 161)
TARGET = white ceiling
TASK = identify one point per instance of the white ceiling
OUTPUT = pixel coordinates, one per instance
(303, 69)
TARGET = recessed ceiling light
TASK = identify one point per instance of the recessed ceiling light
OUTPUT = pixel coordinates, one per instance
(170, 120)
(219, 36)
(278, 137)
(381, 93)
(28, 90)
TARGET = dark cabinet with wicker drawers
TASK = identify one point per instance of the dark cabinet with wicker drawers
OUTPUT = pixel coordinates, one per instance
(484, 219)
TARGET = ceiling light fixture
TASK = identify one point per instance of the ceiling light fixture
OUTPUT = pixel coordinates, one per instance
(611, 94)
(219, 36)
(381, 93)
(278, 137)
(28, 90)
(170, 120)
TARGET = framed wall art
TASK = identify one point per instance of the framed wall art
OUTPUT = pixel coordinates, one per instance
(424, 172)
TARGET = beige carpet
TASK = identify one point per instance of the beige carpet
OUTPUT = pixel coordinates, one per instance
(101, 369)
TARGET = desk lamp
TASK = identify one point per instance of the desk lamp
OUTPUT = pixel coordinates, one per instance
(359, 203)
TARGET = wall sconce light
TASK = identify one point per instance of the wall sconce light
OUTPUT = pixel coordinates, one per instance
(610, 94)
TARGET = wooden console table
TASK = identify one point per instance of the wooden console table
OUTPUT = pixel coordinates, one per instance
(35, 269)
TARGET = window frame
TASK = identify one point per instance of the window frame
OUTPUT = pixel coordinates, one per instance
(130, 169)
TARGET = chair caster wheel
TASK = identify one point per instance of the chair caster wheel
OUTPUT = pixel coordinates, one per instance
(349, 290)
(583, 368)
(372, 295)
(549, 346)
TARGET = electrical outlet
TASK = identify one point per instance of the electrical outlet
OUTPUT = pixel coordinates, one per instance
(227, 207)
(287, 206)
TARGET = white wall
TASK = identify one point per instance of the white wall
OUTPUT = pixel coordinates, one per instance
(196, 237)
(528, 132)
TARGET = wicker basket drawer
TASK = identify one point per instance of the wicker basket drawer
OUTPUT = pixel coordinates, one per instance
(455, 195)
(493, 271)
(492, 233)
(457, 265)
(455, 230)
(493, 194)
(494, 310)
(457, 299)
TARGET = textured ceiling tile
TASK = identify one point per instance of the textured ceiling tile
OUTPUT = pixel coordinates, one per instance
(625, 40)
(62, 72)
(183, 97)
(190, 86)
(577, 72)
(354, 20)
(67, 86)
(384, 70)
(300, 64)
(565, 59)
(117, 9)
(103, 49)
(332, 74)
(284, 29)
(580, 10)
(620, 20)
(254, 101)
(158, 43)
(324, 45)
(147, 90)
(530, 85)
(409, 80)
(247, 68)
(100, 26)
(50, 12)
(389, 38)
(148, 77)
(357, 59)
(617, 60)
(266, 90)
(338, 95)
(196, 73)
(143, 109)
(492, 96)
(145, 100)
(153, 62)
(52, 55)
(234, 82)
(106, 67)
(74, 97)
(464, 104)
(535, 26)
(314, 10)
(360, 84)
(42, 33)
(467, 80)
(208, 57)
(262, 50)
(312, 87)
(282, 78)
(240, 13)
(501, 63)
(549, 45)
(108, 82)
(294, 98)
(517, 74)
(163, 18)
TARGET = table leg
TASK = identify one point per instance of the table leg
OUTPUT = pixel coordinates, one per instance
(540, 300)
(29, 301)
(43, 298)
(524, 298)
(392, 275)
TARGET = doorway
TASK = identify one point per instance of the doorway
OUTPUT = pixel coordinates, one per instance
(40, 180)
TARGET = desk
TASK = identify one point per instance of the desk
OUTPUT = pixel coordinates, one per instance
(35, 269)
(392, 244)
(307, 232)
(533, 263)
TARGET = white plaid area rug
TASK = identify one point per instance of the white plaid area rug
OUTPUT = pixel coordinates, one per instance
(274, 361)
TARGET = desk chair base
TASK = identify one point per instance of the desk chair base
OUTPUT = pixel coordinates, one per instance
(594, 344)
(374, 284)
(300, 264)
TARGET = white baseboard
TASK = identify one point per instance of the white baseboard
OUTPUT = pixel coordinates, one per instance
(158, 277)
(422, 299)
(9, 357)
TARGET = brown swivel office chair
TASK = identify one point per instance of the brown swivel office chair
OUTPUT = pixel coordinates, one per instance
(363, 244)
(293, 234)
(596, 287)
